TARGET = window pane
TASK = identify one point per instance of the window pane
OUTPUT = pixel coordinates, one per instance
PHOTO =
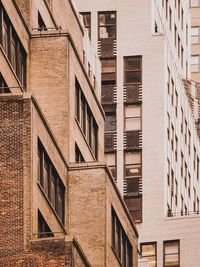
(108, 65)
(107, 19)
(132, 111)
(107, 32)
(133, 124)
(132, 157)
(133, 77)
(133, 63)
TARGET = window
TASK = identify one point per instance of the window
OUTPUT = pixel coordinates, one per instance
(176, 192)
(107, 25)
(182, 56)
(132, 69)
(168, 80)
(86, 119)
(50, 182)
(166, 9)
(176, 103)
(132, 118)
(111, 161)
(41, 24)
(194, 63)
(194, 3)
(133, 173)
(194, 159)
(176, 148)
(186, 173)
(186, 131)
(194, 35)
(179, 8)
(172, 95)
(179, 45)
(120, 242)
(78, 155)
(172, 253)
(189, 184)
(43, 228)
(108, 74)
(170, 19)
(175, 34)
(13, 47)
(87, 21)
(182, 159)
(172, 137)
(197, 168)
(110, 122)
(149, 252)
(3, 85)
(182, 18)
(189, 142)
(182, 120)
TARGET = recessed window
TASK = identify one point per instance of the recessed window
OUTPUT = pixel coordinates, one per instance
(108, 74)
(133, 173)
(111, 121)
(107, 25)
(195, 63)
(132, 69)
(3, 85)
(87, 21)
(120, 242)
(133, 118)
(195, 35)
(12, 47)
(194, 3)
(41, 24)
(78, 155)
(149, 252)
(50, 182)
(43, 228)
(171, 253)
(111, 161)
(86, 119)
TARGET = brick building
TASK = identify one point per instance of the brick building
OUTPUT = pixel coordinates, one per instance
(59, 204)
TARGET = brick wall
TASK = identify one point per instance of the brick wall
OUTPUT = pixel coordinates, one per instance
(14, 143)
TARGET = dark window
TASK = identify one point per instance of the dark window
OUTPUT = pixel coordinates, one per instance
(107, 25)
(86, 119)
(50, 182)
(120, 242)
(172, 253)
(12, 47)
(132, 69)
(111, 161)
(43, 228)
(87, 21)
(3, 85)
(110, 122)
(149, 252)
(108, 74)
(78, 155)
(41, 24)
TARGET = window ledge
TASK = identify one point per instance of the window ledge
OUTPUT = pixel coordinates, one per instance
(53, 210)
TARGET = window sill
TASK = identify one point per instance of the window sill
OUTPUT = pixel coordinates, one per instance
(51, 207)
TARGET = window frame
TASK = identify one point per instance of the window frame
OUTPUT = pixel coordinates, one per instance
(146, 244)
(164, 254)
(139, 70)
(107, 25)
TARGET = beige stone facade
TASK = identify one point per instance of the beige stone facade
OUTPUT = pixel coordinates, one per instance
(59, 204)
(157, 33)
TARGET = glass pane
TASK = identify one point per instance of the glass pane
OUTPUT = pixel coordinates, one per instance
(133, 63)
(108, 65)
(133, 170)
(107, 19)
(86, 20)
(171, 260)
(171, 248)
(133, 77)
(148, 250)
(132, 111)
(107, 32)
(132, 124)
(132, 157)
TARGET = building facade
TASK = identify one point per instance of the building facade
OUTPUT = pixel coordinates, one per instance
(59, 204)
(151, 142)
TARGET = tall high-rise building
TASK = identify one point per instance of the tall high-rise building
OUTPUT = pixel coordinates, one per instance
(59, 205)
(151, 142)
